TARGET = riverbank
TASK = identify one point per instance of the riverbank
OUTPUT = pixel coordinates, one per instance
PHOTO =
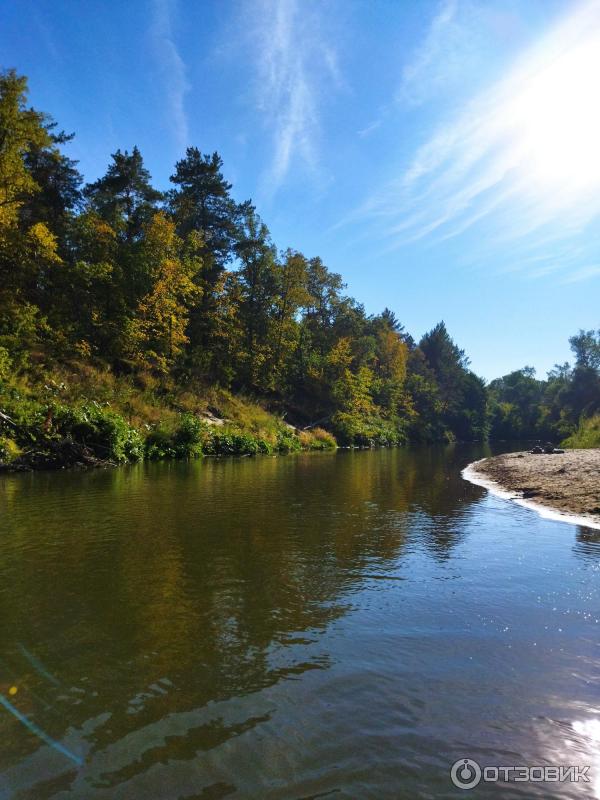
(85, 417)
(566, 485)
(91, 435)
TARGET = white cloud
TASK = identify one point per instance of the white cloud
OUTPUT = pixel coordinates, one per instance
(372, 126)
(423, 70)
(295, 65)
(454, 40)
(172, 68)
(583, 274)
(523, 156)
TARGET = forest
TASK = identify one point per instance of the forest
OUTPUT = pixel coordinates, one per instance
(145, 323)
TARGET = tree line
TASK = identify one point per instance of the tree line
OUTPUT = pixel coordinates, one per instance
(187, 285)
(564, 406)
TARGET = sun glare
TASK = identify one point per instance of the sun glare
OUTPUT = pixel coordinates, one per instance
(556, 121)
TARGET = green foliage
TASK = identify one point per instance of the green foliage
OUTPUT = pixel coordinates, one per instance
(461, 395)
(46, 428)
(5, 364)
(522, 406)
(171, 303)
(57, 179)
(185, 441)
(586, 349)
(20, 327)
(9, 450)
(124, 197)
(159, 445)
(514, 405)
(188, 435)
(22, 130)
(586, 435)
(353, 430)
(288, 442)
(157, 329)
(105, 433)
(317, 439)
(234, 443)
(201, 202)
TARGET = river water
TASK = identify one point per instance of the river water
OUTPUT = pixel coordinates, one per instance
(339, 625)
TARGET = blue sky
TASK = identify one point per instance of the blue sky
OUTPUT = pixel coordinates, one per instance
(443, 156)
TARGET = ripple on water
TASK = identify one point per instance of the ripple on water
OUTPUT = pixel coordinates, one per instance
(346, 625)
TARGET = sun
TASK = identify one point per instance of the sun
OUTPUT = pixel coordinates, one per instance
(556, 121)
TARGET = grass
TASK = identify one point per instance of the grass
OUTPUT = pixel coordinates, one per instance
(127, 417)
(586, 435)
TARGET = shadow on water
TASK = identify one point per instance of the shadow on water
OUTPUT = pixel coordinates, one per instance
(587, 544)
(178, 625)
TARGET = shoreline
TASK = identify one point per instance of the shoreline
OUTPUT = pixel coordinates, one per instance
(92, 464)
(550, 479)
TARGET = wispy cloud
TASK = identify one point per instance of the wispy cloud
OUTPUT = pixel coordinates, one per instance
(583, 274)
(455, 41)
(423, 70)
(520, 158)
(295, 65)
(45, 31)
(372, 126)
(172, 69)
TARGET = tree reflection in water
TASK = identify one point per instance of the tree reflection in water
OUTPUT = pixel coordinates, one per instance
(167, 598)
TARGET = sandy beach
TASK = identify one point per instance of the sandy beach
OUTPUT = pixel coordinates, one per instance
(568, 483)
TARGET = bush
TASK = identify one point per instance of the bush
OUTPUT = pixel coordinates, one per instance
(159, 444)
(323, 440)
(233, 442)
(9, 450)
(5, 365)
(355, 430)
(187, 439)
(53, 429)
(317, 439)
(586, 435)
(287, 441)
(105, 433)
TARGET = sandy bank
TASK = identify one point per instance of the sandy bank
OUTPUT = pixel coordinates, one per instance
(565, 486)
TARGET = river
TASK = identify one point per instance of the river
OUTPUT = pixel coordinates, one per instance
(341, 625)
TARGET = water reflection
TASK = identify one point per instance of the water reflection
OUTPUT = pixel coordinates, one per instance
(587, 544)
(277, 627)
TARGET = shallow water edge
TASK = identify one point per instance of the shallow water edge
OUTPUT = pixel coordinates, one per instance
(471, 474)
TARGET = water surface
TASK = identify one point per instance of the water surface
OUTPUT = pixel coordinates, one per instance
(331, 625)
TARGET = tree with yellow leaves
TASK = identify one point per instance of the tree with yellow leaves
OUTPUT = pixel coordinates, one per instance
(157, 333)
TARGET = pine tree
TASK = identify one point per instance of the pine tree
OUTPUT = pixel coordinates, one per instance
(58, 181)
(124, 196)
(202, 202)
(258, 282)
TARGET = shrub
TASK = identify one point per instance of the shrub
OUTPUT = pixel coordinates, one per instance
(586, 435)
(323, 440)
(187, 439)
(159, 444)
(365, 431)
(287, 441)
(5, 365)
(9, 450)
(233, 442)
(307, 441)
(105, 433)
